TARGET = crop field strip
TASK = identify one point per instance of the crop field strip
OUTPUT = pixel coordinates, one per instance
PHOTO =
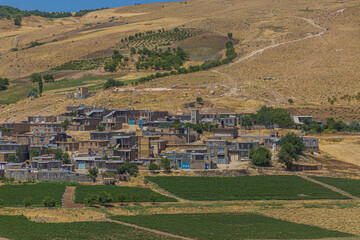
(351, 186)
(14, 195)
(275, 187)
(20, 228)
(143, 194)
(229, 226)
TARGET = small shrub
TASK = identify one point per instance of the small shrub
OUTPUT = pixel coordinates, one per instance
(134, 197)
(121, 198)
(28, 202)
(153, 197)
(104, 198)
(2, 203)
(49, 202)
(91, 200)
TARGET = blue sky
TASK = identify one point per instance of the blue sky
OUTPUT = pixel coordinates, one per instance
(71, 5)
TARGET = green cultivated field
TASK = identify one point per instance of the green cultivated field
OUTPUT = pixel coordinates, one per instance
(351, 186)
(244, 188)
(14, 195)
(229, 226)
(83, 191)
(20, 228)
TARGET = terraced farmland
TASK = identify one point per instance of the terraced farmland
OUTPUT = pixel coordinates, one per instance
(20, 228)
(229, 226)
(244, 188)
(14, 195)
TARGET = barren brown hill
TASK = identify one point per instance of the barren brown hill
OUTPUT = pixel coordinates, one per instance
(304, 50)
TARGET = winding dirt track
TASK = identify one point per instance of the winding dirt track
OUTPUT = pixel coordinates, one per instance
(278, 96)
(309, 21)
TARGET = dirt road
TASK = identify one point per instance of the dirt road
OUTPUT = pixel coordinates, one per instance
(68, 199)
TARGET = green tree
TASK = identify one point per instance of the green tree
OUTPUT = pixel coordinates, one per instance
(290, 101)
(48, 77)
(35, 77)
(128, 168)
(28, 202)
(230, 35)
(91, 199)
(165, 164)
(291, 148)
(65, 124)
(260, 156)
(199, 100)
(121, 198)
(153, 197)
(104, 198)
(66, 158)
(58, 154)
(153, 167)
(34, 153)
(49, 202)
(12, 158)
(40, 82)
(101, 128)
(294, 140)
(18, 21)
(355, 126)
(105, 157)
(134, 197)
(18, 153)
(93, 173)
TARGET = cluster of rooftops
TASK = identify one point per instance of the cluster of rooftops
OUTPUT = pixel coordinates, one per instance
(103, 138)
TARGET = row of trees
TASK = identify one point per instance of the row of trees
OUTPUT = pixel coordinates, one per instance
(160, 37)
(205, 66)
(331, 126)
(267, 116)
(29, 201)
(104, 198)
(158, 59)
(117, 59)
(164, 164)
(17, 14)
(110, 83)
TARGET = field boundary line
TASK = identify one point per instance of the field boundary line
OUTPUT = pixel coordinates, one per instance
(156, 188)
(335, 189)
(145, 228)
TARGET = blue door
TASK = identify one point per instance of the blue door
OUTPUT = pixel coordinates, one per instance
(186, 166)
(81, 165)
(179, 163)
(206, 166)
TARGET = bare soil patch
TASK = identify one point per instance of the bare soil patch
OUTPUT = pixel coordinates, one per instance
(68, 198)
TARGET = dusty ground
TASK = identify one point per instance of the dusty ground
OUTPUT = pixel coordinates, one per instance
(346, 220)
(54, 215)
(343, 148)
(308, 71)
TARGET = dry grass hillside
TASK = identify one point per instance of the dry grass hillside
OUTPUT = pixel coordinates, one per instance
(284, 51)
